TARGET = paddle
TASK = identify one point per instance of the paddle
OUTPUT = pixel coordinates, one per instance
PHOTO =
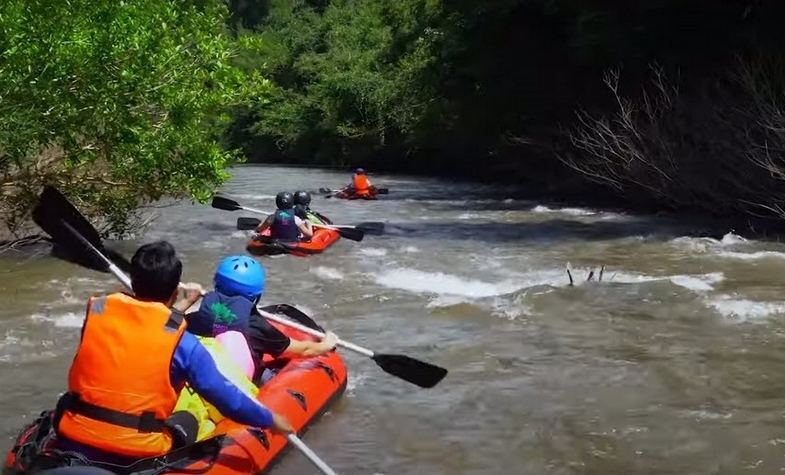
(70, 230)
(294, 314)
(371, 227)
(328, 191)
(226, 204)
(420, 373)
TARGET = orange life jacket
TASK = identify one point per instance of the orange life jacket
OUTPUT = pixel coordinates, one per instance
(361, 184)
(120, 392)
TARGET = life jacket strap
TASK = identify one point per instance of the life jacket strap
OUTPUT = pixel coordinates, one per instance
(145, 423)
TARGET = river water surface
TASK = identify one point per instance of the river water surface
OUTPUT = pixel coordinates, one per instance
(673, 364)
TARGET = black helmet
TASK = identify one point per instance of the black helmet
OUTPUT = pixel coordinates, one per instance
(284, 200)
(302, 198)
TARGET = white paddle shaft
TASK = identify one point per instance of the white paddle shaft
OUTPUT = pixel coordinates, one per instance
(316, 333)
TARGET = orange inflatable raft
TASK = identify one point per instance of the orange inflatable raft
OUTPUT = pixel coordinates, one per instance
(264, 245)
(350, 195)
(302, 390)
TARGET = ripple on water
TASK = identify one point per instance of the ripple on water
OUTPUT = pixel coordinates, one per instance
(328, 273)
(60, 320)
(373, 252)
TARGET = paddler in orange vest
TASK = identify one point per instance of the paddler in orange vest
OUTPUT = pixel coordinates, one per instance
(133, 359)
(361, 185)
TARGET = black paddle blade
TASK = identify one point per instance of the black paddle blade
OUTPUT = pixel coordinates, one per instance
(72, 233)
(377, 229)
(245, 224)
(219, 202)
(53, 209)
(325, 190)
(409, 369)
(295, 314)
(382, 191)
(353, 234)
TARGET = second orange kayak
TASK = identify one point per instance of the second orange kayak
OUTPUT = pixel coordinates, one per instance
(264, 245)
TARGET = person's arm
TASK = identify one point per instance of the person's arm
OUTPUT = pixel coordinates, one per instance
(305, 227)
(268, 221)
(193, 292)
(312, 348)
(266, 339)
(193, 364)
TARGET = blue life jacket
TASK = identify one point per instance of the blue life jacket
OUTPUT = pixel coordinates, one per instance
(284, 226)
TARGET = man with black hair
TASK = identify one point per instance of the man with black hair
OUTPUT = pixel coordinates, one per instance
(133, 359)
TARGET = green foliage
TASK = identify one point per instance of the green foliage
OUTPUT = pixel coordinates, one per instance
(350, 71)
(117, 102)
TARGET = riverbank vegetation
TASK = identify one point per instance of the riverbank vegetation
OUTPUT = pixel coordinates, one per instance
(116, 103)
(666, 105)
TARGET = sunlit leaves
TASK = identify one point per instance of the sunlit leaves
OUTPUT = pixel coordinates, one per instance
(119, 103)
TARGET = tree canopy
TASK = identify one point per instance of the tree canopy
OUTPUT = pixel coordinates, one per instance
(116, 102)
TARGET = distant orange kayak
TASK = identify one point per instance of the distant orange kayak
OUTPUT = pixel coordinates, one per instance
(264, 245)
(350, 195)
(302, 390)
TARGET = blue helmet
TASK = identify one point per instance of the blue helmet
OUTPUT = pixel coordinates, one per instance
(360, 171)
(240, 275)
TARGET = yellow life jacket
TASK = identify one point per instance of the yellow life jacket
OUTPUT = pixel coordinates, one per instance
(207, 415)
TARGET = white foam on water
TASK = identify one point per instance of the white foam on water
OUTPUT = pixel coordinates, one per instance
(68, 298)
(695, 283)
(510, 310)
(731, 239)
(698, 283)
(751, 256)
(417, 281)
(705, 244)
(746, 310)
(328, 273)
(373, 252)
(63, 320)
(443, 301)
(242, 234)
(465, 216)
(354, 381)
(702, 414)
(410, 249)
(692, 244)
(568, 211)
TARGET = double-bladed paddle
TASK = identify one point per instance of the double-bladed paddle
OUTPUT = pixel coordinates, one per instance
(420, 373)
(349, 232)
(246, 224)
(82, 243)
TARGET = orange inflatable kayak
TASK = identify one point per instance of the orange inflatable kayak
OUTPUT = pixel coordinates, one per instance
(350, 195)
(302, 390)
(264, 245)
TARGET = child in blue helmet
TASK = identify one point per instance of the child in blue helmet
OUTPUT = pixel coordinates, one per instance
(239, 284)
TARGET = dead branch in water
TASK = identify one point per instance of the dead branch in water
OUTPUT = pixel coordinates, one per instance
(17, 244)
(588, 278)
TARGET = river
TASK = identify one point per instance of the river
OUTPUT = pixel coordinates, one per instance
(672, 364)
